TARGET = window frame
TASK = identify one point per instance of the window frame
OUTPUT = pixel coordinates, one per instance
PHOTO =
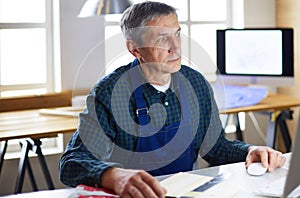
(48, 26)
(49, 145)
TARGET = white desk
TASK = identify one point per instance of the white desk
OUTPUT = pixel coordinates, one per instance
(59, 193)
(238, 184)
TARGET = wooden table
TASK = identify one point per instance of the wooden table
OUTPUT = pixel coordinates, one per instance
(30, 126)
(278, 107)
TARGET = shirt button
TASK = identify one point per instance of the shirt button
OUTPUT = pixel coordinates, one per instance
(166, 103)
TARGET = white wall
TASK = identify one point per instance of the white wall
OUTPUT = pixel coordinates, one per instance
(258, 13)
(82, 47)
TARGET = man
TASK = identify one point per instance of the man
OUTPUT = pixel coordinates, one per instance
(152, 116)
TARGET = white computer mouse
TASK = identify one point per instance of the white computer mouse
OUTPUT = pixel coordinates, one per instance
(256, 169)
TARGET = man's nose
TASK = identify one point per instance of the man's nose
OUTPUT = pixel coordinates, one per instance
(174, 45)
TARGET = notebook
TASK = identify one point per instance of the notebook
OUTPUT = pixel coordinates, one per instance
(285, 185)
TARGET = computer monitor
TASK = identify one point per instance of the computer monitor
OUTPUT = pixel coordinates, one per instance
(262, 56)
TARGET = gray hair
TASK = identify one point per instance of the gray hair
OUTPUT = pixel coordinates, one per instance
(135, 18)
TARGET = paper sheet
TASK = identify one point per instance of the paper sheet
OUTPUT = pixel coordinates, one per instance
(63, 111)
(182, 183)
(233, 96)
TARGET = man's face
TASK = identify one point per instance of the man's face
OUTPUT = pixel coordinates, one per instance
(161, 49)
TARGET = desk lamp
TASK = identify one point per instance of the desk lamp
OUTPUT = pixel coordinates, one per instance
(102, 7)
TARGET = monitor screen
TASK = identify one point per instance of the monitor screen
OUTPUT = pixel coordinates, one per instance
(256, 56)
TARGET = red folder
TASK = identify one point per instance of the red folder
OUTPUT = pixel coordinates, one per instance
(83, 191)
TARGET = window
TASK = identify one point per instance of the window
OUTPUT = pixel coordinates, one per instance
(199, 20)
(27, 56)
(26, 47)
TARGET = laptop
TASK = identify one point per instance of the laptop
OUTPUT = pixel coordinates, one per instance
(285, 185)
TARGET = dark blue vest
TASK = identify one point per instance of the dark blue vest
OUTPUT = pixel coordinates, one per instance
(169, 149)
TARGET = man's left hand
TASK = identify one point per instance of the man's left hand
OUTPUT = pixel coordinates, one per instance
(269, 157)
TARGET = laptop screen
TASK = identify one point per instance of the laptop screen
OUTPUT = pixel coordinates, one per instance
(293, 177)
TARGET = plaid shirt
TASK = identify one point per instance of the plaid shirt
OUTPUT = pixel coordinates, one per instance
(111, 111)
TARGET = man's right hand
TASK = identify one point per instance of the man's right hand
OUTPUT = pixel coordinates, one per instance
(132, 183)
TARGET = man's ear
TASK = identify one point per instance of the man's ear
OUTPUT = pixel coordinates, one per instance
(133, 49)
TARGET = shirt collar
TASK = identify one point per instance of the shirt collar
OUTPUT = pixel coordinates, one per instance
(151, 89)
